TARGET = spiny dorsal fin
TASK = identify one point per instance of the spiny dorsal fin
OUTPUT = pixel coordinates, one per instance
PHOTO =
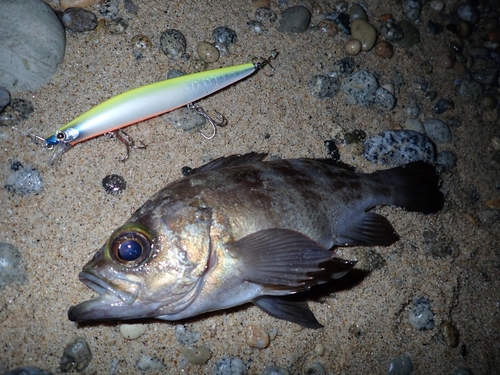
(227, 161)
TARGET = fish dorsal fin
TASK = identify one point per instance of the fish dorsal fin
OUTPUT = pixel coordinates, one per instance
(337, 163)
(228, 161)
(283, 259)
(288, 309)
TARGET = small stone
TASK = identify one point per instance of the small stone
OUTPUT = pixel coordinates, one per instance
(360, 88)
(414, 124)
(256, 336)
(384, 99)
(186, 336)
(117, 25)
(109, 10)
(224, 35)
(356, 136)
(442, 105)
(449, 333)
(412, 9)
(145, 362)
(11, 271)
(445, 60)
(398, 147)
(471, 89)
(174, 73)
(207, 52)
(133, 331)
(24, 181)
(343, 22)
(434, 28)
(173, 44)
(64, 4)
(413, 109)
(76, 356)
(223, 51)
(315, 368)
(4, 98)
(141, 41)
(486, 76)
(353, 47)
(113, 184)
(319, 349)
(275, 370)
(256, 27)
(197, 65)
(487, 101)
(411, 35)
(384, 49)
(323, 87)
(495, 143)
(79, 20)
(437, 5)
(32, 44)
(22, 107)
(468, 13)
(391, 31)
(196, 355)
(421, 316)
(265, 15)
(400, 365)
(431, 95)
(130, 6)
(368, 260)
(462, 371)
(327, 27)
(365, 33)
(229, 366)
(435, 245)
(27, 370)
(437, 130)
(357, 12)
(295, 20)
(343, 67)
(445, 161)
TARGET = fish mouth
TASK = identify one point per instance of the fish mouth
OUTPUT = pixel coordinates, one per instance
(111, 303)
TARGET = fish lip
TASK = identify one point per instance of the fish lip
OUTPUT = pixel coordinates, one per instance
(104, 289)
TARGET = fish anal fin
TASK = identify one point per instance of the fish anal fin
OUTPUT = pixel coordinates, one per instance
(285, 259)
(368, 229)
(287, 309)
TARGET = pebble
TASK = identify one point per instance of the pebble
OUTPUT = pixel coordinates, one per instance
(421, 316)
(436, 245)
(356, 136)
(411, 35)
(32, 44)
(449, 333)
(275, 370)
(437, 5)
(343, 67)
(63, 4)
(431, 95)
(207, 52)
(117, 25)
(486, 76)
(365, 33)
(327, 27)
(412, 9)
(197, 65)
(391, 31)
(173, 44)
(10, 265)
(174, 73)
(468, 13)
(368, 260)
(4, 98)
(384, 49)
(462, 371)
(487, 101)
(343, 22)
(146, 362)
(400, 365)
(470, 88)
(113, 184)
(79, 20)
(265, 15)
(442, 105)
(24, 181)
(109, 10)
(384, 99)
(398, 147)
(76, 356)
(360, 88)
(256, 336)
(28, 370)
(224, 35)
(413, 109)
(197, 355)
(445, 60)
(356, 11)
(133, 331)
(445, 161)
(256, 27)
(437, 130)
(353, 47)
(23, 107)
(186, 336)
(130, 6)
(315, 368)
(322, 87)
(185, 119)
(141, 42)
(295, 20)
(229, 366)
(319, 349)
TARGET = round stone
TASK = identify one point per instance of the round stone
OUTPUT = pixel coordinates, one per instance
(32, 44)
(353, 47)
(411, 35)
(257, 337)
(173, 44)
(364, 32)
(79, 20)
(437, 130)
(384, 49)
(224, 35)
(323, 87)
(357, 12)
(295, 20)
(207, 52)
(445, 60)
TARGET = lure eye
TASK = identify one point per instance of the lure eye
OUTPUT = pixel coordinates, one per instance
(61, 136)
(130, 248)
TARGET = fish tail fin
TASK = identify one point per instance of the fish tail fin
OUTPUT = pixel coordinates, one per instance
(415, 187)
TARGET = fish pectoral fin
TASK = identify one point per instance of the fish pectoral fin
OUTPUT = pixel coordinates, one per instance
(285, 259)
(368, 229)
(287, 309)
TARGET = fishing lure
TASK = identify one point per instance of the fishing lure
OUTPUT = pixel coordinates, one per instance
(148, 101)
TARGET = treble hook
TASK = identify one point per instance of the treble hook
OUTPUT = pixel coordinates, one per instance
(199, 110)
(126, 139)
(272, 56)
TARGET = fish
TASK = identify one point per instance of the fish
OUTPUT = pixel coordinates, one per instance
(242, 229)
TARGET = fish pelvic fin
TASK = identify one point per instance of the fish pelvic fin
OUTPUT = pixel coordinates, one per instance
(368, 229)
(288, 309)
(415, 187)
(283, 259)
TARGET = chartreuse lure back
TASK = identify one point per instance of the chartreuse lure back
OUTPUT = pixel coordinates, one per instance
(148, 101)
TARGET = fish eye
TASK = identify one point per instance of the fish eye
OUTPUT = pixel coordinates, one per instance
(130, 248)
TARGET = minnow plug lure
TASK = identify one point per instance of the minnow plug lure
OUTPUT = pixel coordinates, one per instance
(148, 101)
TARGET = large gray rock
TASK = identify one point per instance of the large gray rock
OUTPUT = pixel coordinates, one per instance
(32, 43)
